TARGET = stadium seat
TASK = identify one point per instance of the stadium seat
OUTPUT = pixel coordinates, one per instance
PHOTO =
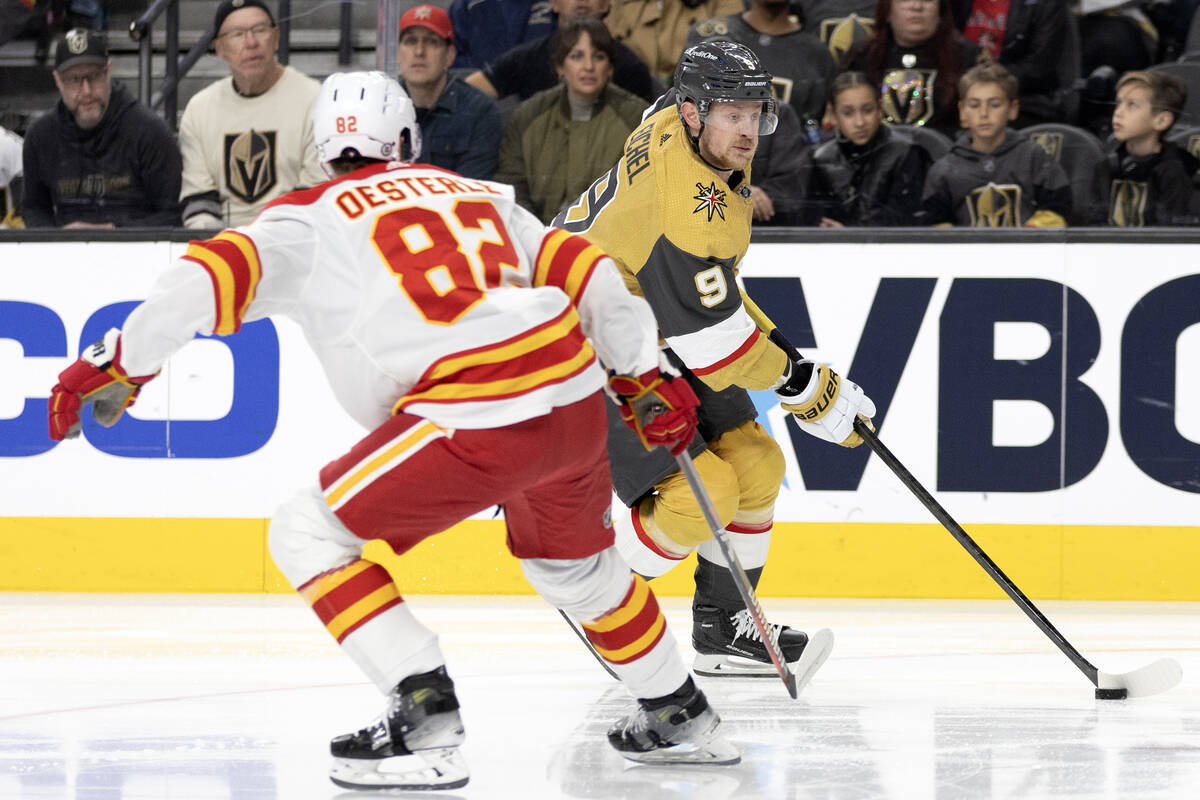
(1080, 154)
(935, 143)
(1189, 73)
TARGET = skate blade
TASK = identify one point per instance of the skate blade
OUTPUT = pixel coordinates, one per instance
(716, 752)
(727, 666)
(439, 768)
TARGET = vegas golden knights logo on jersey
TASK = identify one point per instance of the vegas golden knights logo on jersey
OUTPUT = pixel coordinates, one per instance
(1127, 206)
(1049, 141)
(250, 164)
(907, 96)
(841, 33)
(995, 206)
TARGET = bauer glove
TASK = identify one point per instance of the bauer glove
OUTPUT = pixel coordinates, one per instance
(96, 377)
(824, 403)
(659, 407)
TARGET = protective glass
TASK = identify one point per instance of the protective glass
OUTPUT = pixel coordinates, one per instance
(748, 117)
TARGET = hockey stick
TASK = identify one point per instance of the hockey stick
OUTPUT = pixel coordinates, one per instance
(1156, 677)
(739, 574)
(587, 643)
(1153, 678)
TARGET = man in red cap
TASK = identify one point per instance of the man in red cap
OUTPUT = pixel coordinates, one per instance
(460, 125)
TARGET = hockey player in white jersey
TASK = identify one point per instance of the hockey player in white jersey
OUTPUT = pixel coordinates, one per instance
(464, 335)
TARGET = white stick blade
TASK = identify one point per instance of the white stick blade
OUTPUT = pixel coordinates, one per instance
(1155, 678)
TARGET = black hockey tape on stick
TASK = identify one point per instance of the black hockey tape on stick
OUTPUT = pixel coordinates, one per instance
(739, 574)
(1156, 677)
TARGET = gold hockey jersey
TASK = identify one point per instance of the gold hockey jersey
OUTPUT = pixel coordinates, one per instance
(677, 233)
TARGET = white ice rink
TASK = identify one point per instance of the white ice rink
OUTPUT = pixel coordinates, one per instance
(202, 697)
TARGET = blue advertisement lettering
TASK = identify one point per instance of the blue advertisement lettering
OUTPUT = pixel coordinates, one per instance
(1148, 374)
(42, 335)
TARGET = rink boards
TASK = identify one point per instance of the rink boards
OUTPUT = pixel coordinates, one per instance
(1048, 393)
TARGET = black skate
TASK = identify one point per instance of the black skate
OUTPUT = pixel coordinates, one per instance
(680, 728)
(413, 746)
(727, 643)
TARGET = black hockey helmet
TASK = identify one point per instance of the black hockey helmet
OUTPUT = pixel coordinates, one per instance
(718, 70)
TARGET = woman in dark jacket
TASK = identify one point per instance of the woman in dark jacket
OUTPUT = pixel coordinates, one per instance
(867, 176)
(562, 139)
(916, 56)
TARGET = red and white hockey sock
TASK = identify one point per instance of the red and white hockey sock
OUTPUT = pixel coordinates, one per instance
(635, 640)
(362, 609)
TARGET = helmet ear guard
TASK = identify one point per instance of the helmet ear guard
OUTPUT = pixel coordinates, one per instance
(367, 114)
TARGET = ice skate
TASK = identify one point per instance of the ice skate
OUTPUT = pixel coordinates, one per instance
(727, 643)
(680, 728)
(413, 746)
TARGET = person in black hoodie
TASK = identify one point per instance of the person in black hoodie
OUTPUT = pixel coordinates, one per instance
(994, 177)
(1149, 180)
(867, 176)
(99, 159)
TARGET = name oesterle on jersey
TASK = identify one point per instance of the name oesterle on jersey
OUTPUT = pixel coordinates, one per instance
(711, 200)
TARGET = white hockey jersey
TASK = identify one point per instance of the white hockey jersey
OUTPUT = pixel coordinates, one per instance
(420, 291)
(11, 165)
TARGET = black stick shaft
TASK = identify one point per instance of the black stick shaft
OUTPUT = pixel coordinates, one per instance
(960, 535)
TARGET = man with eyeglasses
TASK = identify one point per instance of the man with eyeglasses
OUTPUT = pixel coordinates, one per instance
(246, 139)
(99, 159)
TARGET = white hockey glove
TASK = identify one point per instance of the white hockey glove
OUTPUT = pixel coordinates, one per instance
(824, 403)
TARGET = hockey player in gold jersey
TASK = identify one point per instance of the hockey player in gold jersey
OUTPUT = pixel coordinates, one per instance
(674, 213)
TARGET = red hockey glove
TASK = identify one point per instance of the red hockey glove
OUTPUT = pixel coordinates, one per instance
(660, 408)
(97, 377)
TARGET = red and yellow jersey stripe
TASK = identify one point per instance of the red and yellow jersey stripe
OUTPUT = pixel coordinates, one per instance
(566, 261)
(544, 355)
(348, 598)
(231, 261)
(632, 629)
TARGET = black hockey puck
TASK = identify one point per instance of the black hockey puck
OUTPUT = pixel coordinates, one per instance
(1112, 694)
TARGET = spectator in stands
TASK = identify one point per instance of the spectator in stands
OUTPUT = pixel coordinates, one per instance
(1149, 179)
(561, 139)
(528, 68)
(916, 56)
(460, 125)
(1028, 37)
(994, 177)
(484, 30)
(867, 176)
(99, 159)
(780, 173)
(1116, 34)
(11, 180)
(657, 30)
(246, 139)
(801, 67)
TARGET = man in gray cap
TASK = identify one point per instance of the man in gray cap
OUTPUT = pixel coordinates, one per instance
(246, 139)
(99, 159)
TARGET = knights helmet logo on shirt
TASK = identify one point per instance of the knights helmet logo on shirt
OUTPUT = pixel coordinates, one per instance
(250, 164)
(1050, 141)
(907, 96)
(995, 206)
(1127, 208)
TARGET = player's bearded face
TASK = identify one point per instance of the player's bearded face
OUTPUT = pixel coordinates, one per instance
(730, 134)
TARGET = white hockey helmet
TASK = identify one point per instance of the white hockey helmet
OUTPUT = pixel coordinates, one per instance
(367, 113)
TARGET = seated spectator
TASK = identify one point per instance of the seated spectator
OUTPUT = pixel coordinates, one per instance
(460, 125)
(10, 180)
(867, 176)
(1116, 34)
(1149, 179)
(527, 69)
(801, 67)
(916, 56)
(484, 30)
(779, 173)
(657, 30)
(1028, 37)
(246, 139)
(994, 177)
(562, 139)
(99, 159)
